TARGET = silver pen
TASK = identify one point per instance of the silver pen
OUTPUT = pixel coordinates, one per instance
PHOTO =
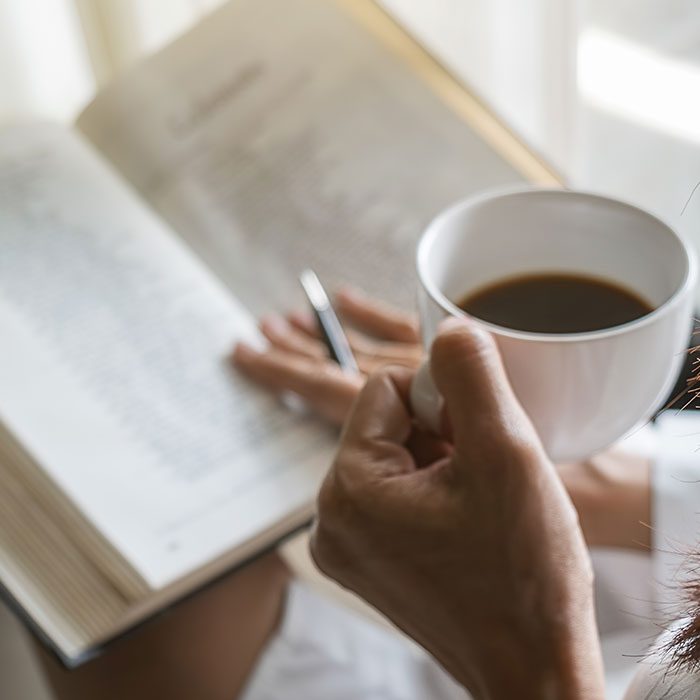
(328, 323)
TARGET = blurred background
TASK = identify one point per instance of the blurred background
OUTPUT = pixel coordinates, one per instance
(607, 90)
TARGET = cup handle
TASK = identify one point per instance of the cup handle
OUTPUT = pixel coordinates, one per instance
(426, 402)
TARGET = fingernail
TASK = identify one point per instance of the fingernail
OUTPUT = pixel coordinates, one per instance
(275, 324)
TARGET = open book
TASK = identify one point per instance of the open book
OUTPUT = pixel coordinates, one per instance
(135, 248)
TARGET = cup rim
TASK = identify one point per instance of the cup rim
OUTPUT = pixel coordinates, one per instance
(432, 231)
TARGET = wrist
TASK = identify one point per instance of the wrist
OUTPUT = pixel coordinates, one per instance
(559, 662)
(612, 495)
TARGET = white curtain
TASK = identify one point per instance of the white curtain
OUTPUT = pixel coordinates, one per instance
(519, 55)
(54, 54)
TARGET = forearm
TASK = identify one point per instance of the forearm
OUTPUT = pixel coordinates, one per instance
(205, 647)
(543, 644)
(564, 664)
(612, 495)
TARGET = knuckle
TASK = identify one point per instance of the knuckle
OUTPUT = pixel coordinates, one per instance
(345, 501)
(318, 374)
(377, 379)
(380, 381)
(323, 375)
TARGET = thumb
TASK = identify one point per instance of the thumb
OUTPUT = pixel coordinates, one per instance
(467, 369)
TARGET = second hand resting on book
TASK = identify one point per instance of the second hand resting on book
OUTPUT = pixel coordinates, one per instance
(611, 493)
(297, 360)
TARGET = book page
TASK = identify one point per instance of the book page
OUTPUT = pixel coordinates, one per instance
(114, 371)
(280, 134)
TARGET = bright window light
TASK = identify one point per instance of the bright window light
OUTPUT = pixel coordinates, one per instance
(639, 84)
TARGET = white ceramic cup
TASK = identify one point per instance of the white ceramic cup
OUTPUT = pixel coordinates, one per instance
(582, 391)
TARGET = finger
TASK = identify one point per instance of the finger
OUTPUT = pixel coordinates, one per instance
(376, 317)
(377, 353)
(286, 337)
(370, 354)
(380, 424)
(362, 349)
(469, 373)
(325, 387)
(428, 449)
(369, 365)
(305, 322)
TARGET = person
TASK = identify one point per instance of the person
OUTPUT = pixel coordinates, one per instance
(260, 635)
(476, 552)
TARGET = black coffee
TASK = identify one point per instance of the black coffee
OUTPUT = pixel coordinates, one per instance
(555, 303)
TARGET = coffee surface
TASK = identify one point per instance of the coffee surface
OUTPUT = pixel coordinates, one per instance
(555, 303)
